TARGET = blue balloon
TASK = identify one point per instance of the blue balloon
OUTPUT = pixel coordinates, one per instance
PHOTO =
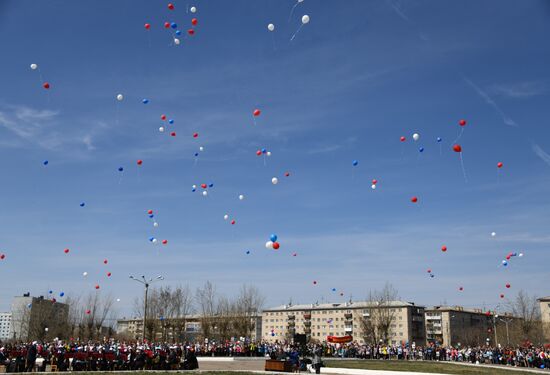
(355, 162)
(151, 239)
(50, 291)
(248, 251)
(151, 216)
(170, 121)
(264, 151)
(145, 101)
(432, 275)
(196, 154)
(273, 334)
(174, 25)
(120, 169)
(82, 204)
(193, 190)
(439, 139)
(29, 305)
(45, 162)
(273, 237)
(211, 185)
(334, 289)
(505, 264)
(421, 149)
(178, 32)
(61, 294)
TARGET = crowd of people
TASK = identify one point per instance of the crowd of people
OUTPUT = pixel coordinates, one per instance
(112, 355)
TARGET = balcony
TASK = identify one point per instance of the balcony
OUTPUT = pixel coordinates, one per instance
(307, 331)
(307, 316)
(348, 329)
(291, 317)
(307, 323)
(348, 316)
(291, 324)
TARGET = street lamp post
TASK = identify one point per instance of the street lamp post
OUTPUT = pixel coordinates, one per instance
(146, 284)
(507, 321)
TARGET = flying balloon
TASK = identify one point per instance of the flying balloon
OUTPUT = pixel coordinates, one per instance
(416, 136)
(120, 97)
(457, 148)
(274, 180)
(34, 66)
(193, 9)
(46, 85)
(271, 27)
(305, 19)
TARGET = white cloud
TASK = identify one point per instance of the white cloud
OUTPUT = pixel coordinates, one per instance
(519, 90)
(541, 153)
(507, 119)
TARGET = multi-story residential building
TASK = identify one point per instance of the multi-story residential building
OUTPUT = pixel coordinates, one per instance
(35, 317)
(5, 324)
(318, 321)
(180, 329)
(544, 304)
(455, 325)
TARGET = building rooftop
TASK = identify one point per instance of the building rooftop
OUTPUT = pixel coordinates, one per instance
(544, 299)
(343, 305)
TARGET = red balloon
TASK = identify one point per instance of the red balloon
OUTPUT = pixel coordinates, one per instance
(173, 134)
(374, 182)
(166, 25)
(429, 270)
(97, 286)
(461, 289)
(88, 312)
(105, 261)
(508, 286)
(462, 123)
(508, 257)
(414, 199)
(46, 85)
(502, 296)
(203, 186)
(2, 256)
(259, 152)
(457, 148)
(233, 222)
(171, 6)
(108, 274)
(191, 32)
(195, 135)
(150, 212)
(256, 112)
(54, 300)
(287, 174)
(402, 139)
(276, 245)
(294, 254)
(139, 162)
(66, 251)
(147, 26)
(443, 248)
(194, 21)
(499, 164)
(314, 282)
(164, 242)
(163, 117)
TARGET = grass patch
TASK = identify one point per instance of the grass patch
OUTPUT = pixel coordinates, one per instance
(421, 366)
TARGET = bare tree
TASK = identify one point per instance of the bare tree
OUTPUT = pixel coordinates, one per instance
(528, 326)
(377, 324)
(207, 306)
(248, 306)
(98, 309)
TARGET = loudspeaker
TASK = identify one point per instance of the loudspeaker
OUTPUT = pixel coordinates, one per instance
(300, 339)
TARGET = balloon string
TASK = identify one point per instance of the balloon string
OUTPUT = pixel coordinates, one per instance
(458, 136)
(273, 40)
(463, 169)
(265, 161)
(292, 11)
(297, 31)
(440, 149)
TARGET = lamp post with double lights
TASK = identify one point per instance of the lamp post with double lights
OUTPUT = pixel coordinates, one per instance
(146, 284)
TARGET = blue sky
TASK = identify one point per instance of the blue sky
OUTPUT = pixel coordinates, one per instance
(354, 80)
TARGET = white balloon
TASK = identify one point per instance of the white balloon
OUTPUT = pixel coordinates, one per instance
(205, 193)
(201, 148)
(118, 299)
(271, 27)
(84, 274)
(300, 1)
(305, 19)
(268, 153)
(241, 197)
(194, 9)
(161, 129)
(194, 186)
(520, 254)
(154, 240)
(373, 186)
(225, 217)
(155, 224)
(493, 234)
(119, 97)
(416, 136)
(46, 329)
(269, 245)
(34, 66)
(274, 180)
(176, 41)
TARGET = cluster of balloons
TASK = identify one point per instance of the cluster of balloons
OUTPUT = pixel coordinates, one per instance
(263, 151)
(226, 217)
(272, 243)
(201, 149)
(162, 128)
(509, 257)
(429, 271)
(374, 182)
(204, 187)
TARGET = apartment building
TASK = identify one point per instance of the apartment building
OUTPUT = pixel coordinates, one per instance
(5, 326)
(544, 304)
(318, 321)
(31, 317)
